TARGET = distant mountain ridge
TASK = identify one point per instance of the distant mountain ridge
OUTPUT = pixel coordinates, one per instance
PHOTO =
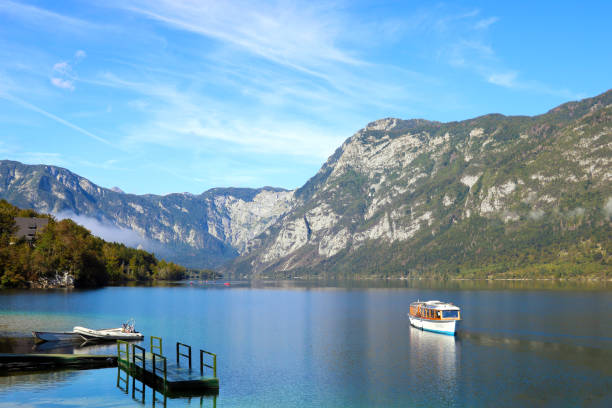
(489, 195)
(197, 230)
(493, 195)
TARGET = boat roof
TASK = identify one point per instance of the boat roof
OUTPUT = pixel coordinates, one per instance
(437, 305)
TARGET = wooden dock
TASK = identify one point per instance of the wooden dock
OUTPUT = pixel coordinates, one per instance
(173, 377)
(10, 363)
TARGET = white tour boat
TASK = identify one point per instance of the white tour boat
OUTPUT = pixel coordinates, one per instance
(435, 316)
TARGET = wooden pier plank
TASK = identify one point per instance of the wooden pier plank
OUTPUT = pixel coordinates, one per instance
(177, 377)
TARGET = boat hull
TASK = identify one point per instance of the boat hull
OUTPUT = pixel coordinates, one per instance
(41, 337)
(108, 334)
(435, 326)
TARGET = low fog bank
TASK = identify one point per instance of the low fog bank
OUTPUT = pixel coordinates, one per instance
(110, 232)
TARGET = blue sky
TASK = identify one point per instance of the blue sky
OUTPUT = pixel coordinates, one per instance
(173, 96)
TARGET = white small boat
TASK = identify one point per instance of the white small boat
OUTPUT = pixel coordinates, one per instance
(78, 333)
(41, 337)
(107, 334)
(435, 316)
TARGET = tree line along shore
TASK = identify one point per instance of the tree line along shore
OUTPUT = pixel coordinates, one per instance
(65, 253)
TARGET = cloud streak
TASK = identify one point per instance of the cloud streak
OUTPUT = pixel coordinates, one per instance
(62, 83)
(252, 90)
(485, 23)
(302, 37)
(63, 75)
(53, 117)
(41, 17)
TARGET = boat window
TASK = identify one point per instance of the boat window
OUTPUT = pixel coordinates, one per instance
(450, 313)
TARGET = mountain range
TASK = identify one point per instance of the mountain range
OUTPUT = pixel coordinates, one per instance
(202, 230)
(493, 195)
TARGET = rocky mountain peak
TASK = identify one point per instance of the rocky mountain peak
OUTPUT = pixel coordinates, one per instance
(195, 230)
(398, 196)
(397, 192)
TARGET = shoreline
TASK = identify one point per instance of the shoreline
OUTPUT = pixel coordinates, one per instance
(597, 281)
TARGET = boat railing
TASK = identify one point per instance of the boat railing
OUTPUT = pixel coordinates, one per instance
(179, 354)
(203, 362)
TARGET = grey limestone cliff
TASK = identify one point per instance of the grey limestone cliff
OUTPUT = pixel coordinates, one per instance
(404, 196)
(196, 230)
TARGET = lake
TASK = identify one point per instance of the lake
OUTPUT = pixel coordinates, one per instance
(346, 344)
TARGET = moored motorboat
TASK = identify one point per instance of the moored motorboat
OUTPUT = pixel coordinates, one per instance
(435, 316)
(126, 332)
(41, 337)
(78, 333)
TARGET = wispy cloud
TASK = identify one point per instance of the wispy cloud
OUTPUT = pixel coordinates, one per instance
(303, 37)
(480, 58)
(43, 18)
(26, 154)
(62, 83)
(447, 21)
(62, 67)
(181, 119)
(80, 55)
(471, 52)
(33, 157)
(244, 85)
(53, 117)
(506, 79)
(63, 75)
(485, 23)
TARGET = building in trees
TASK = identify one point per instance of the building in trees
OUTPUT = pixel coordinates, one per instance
(29, 227)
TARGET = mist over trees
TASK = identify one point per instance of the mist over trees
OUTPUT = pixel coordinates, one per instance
(66, 247)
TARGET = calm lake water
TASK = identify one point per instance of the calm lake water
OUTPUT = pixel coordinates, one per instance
(337, 345)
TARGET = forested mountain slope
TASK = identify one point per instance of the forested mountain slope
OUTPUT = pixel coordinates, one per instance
(520, 196)
(195, 230)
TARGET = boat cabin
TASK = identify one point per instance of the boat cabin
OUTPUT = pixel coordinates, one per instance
(435, 310)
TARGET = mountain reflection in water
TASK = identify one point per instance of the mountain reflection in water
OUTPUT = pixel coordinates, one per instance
(296, 344)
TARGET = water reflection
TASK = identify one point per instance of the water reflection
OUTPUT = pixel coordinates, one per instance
(31, 380)
(145, 394)
(434, 353)
(594, 358)
(24, 345)
(280, 346)
(435, 284)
